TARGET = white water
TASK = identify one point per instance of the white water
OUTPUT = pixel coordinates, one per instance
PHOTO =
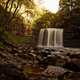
(50, 37)
(40, 38)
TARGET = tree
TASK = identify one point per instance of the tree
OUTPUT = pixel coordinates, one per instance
(47, 20)
(68, 5)
(10, 18)
(13, 7)
(10, 9)
(70, 12)
(17, 26)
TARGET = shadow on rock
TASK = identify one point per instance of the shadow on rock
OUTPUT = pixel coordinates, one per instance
(10, 72)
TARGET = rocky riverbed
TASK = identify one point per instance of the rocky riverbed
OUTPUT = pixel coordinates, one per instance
(65, 60)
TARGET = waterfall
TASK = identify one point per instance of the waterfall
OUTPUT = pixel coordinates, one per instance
(50, 37)
(41, 37)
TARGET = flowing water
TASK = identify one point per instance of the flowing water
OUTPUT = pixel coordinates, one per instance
(50, 37)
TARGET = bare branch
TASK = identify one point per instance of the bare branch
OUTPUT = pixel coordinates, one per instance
(11, 5)
(7, 5)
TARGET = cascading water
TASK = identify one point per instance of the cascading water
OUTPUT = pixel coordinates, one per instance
(40, 38)
(50, 37)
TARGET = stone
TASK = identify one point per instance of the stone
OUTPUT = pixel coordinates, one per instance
(54, 71)
(10, 72)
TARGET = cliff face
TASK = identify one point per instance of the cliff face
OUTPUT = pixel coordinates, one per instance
(71, 36)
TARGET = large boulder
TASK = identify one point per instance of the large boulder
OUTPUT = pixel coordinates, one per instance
(54, 71)
(10, 72)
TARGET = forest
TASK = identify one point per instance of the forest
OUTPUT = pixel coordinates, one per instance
(20, 24)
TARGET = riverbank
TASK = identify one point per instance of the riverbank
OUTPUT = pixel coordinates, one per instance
(22, 56)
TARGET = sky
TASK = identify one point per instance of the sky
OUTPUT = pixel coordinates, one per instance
(50, 5)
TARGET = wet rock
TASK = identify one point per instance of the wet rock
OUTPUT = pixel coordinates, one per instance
(54, 71)
(10, 72)
(43, 78)
(70, 76)
(23, 56)
(73, 65)
(75, 56)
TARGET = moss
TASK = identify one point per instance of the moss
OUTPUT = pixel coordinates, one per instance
(1, 45)
(17, 39)
(27, 71)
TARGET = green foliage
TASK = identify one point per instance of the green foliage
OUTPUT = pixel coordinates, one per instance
(29, 3)
(11, 22)
(69, 13)
(27, 71)
(17, 39)
(68, 5)
(2, 45)
(46, 20)
(15, 25)
(13, 7)
(10, 37)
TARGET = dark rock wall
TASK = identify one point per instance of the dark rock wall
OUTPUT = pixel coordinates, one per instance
(71, 37)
